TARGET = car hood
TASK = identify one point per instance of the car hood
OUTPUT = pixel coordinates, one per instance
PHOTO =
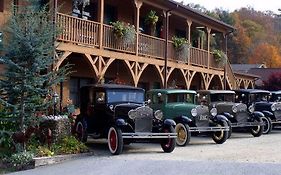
(124, 108)
(261, 106)
(178, 109)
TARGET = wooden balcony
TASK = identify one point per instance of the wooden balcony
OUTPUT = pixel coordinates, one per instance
(84, 32)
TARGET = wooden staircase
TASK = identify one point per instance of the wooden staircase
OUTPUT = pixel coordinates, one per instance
(230, 77)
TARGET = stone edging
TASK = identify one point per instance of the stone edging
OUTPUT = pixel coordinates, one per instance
(40, 161)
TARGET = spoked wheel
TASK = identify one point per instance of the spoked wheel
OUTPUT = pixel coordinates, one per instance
(257, 131)
(115, 140)
(267, 125)
(183, 134)
(81, 131)
(168, 145)
(220, 136)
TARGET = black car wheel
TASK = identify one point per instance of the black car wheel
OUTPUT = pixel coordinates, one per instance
(168, 145)
(220, 136)
(267, 125)
(257, 131)
(81, 130)
(115, 140)
(183, 134)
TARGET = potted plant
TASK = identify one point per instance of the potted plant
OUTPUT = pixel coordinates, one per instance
(181, 46)
(151, 19)
(124, 33)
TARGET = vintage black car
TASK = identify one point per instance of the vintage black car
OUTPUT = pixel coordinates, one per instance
(260, 100)
(275, 96)
(180, 105)
(118, 113)
(237, 113)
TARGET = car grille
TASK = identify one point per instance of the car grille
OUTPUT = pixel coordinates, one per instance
(203, 116)
(143, 120)
(277, 114)
(242, 117)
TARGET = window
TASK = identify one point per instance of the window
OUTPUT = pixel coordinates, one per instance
(1, 5)
(110, 14)
(180, 33)
(74, 88)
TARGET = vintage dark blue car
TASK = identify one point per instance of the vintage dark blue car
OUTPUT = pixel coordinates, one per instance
(239, 115)
(261, 101)
(275, 96)
(119, 113)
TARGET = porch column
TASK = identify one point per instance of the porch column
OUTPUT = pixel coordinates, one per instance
(167, 14)
(101, 18)
(189, 23)
(138, 4)
(224, 43)
(208, 45)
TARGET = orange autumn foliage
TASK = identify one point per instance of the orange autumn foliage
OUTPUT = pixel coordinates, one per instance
(266, 53)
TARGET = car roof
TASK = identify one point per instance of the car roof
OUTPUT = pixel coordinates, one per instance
(216, 91)
(171, 91)
(112, 86)
(252, 91)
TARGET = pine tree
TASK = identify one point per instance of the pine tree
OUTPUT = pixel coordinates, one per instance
(29, 55)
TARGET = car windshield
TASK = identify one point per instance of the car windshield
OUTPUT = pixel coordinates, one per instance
(222, 97)
(259, 97)
(134, 96)
(181, 97)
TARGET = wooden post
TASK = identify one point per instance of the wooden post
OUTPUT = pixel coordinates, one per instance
(208, 45)
(189, 22)
(101, 17)
(166, 14)
(138, 4)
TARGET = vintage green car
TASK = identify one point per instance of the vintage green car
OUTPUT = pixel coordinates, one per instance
(180, 105)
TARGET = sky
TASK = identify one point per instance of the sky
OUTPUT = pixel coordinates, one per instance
(231, 5)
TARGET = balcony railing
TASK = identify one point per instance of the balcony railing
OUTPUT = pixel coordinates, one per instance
(76, 30)
(80, 31)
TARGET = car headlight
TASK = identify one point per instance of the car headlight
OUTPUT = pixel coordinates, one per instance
(193, 112)
(251, 108)
(273, 108)
(214, 112)
(132, 114)
(234, 109)
(158, 114)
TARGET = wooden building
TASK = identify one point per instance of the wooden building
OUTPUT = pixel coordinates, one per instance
(88, 42)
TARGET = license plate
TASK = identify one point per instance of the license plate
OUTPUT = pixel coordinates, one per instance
(203, 117)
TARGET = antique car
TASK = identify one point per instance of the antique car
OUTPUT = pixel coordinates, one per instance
(119, 113)
(275, 96)
(260, 100)
(238, 114)
(180, 105)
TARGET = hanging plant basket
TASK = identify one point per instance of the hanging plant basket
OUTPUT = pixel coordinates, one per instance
(181, 46)
(220, 57)
(124, 33)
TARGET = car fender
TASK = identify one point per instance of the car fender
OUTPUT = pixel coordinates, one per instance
(183, 119)
(221, 118)
(268, 114)
(227, 115)
(258, 114)
(169, 122)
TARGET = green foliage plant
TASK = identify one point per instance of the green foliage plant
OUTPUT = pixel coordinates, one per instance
(20, 159)
(151, 18)
(69, 145)
(181, 46)
(125, 33)
(219, 56)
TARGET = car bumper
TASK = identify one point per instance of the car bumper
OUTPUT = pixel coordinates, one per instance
(208, 129)
(144, 135)
(246, 124)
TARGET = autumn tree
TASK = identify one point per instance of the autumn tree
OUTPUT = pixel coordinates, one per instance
(273, 83)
